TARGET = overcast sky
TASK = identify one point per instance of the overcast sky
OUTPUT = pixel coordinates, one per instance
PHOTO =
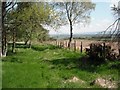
(101, 18)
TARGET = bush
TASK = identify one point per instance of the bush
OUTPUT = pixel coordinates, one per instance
(99, 53)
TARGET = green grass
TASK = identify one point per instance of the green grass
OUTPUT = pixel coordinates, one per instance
(48, 66)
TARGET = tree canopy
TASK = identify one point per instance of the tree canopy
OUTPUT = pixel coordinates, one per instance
(24, 21)
(73, 12)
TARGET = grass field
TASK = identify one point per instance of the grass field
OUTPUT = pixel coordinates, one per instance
(47, 66)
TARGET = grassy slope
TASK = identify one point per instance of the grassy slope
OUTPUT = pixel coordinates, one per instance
(41, 67)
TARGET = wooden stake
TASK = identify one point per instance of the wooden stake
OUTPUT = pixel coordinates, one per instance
(81, 47)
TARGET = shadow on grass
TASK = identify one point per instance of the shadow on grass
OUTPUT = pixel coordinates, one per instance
(115, 66)
(10, 53)
(74, 63)
(12, 59)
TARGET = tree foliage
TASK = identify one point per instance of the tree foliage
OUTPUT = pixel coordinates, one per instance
(73, 12)
(24, 22)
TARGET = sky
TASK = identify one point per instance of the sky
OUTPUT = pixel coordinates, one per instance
(101, 18)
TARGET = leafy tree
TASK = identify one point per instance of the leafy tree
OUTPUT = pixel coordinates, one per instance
(73, 12)
(6, 7)
(26, 20)
(36, 15)
(42, 35)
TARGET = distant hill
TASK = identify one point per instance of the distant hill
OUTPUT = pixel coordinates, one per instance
(64, 36)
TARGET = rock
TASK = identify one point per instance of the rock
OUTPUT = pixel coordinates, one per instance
(74, 79)
(104, 83)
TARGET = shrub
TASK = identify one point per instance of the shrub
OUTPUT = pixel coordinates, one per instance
(99, 53)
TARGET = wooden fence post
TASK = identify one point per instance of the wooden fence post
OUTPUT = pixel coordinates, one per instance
(104, 52)
(60, 44)
(66, 44)
(63, 45)
(74, 45)
(81, 47)
(56, 42)
(91, 48)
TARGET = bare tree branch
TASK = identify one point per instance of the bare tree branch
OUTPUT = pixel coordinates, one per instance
(6, 9)
(9, 3)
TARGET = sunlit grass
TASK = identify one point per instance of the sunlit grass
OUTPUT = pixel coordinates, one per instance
(47, 66)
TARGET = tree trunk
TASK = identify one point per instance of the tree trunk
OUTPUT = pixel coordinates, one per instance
(119, 33)
(30, 44)
(4, 49)
(26, 42)
(71, 34)
(119, 51)
(30, 40)
(13, 46)
(119, 44)
(2, 30)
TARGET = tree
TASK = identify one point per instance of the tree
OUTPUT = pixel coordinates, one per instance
(34, 16)
(42, 35)
(6, 7)
(26, 19)
(116, 31)
(73, 12)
